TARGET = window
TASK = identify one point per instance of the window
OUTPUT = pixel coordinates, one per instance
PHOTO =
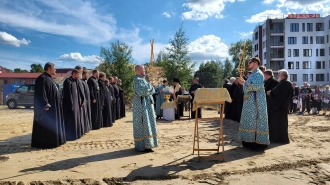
(263, 32)
(31, 88)
(321, 52)
(33, 81)
(309, 26)
(295, 52)
(311, 40)
(16, 82)
(303, 27)
(307, 52)
(317, 52)
(22, 90)
(311, 77)
(256, 36)
(289, 52)
(6, 81)
(294, 27)
(265, 55)
(293, 77)
(292, 40)
(318, 65)
(307, 65)
(305, 77)
(290, 65)
(305, 40)
(323, 64)
(319, 39)
(319, 27)
(319, 77)
(22, 82)
(327, 76)
(276, 41)
(297, 65)
(256, 47)
(327, 38)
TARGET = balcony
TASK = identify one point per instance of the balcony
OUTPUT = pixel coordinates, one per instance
(277, 44)
(276, 31)
(276, 65)
(276, 55)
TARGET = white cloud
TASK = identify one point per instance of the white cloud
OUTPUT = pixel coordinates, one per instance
(78, 19)
(245, 34)
(166, 14)
(305, 6)
(7, 38)
(203, 9)
(260, 17)
(208, 47)
(77, 57)
(267, 1)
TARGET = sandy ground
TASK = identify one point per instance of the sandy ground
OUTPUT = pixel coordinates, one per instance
(106, 156)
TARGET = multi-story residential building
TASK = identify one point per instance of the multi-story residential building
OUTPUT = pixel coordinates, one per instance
(298, 43)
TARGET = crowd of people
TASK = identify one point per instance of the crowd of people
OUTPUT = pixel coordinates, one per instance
(85, 103)
(261, 103)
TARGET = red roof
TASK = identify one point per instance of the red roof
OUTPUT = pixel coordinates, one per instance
(20, 75)
(29, 75)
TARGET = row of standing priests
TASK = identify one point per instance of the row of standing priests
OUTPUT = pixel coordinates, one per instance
(84, 104)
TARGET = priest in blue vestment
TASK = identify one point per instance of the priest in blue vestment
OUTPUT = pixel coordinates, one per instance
(253, 129)
(160, 91)
(144, 119)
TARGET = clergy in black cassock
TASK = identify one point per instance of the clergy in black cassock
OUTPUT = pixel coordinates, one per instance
(280, 98)
(270, 83)
(48, 125)
(237, 101)
(178, 91)
(122, 99)
(96, 102)
(72, 102)
(106, 96)
(83, 109)
(227, 85)
(116, 95)
(88, 99)
(113, 103)
(192, 90)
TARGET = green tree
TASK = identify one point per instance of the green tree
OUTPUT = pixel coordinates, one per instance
(210, 74)
(118, 62)
(235, 50)
(228, 69)
(175, 59)
(36, 68)
(19, 70)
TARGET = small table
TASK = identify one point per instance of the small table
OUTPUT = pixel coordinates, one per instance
(210, 98)
(168, 110)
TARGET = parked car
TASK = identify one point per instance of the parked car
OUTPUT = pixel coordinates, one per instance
(23, 96)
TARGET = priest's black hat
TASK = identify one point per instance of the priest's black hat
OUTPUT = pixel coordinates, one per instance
(176, 80)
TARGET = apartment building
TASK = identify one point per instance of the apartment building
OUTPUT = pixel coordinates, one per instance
(298, 43)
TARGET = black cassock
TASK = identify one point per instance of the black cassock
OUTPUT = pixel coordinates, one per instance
(48, 126)
(122, 102)
(113, 103)
(179, 110)
(117, 107)
(280, 98)
(106, 111)
(269, 85)
(237, 102)
(72, 100)
(227, 104)
(96, 108)
(83, 109)
(87, 103)
(194, 87)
